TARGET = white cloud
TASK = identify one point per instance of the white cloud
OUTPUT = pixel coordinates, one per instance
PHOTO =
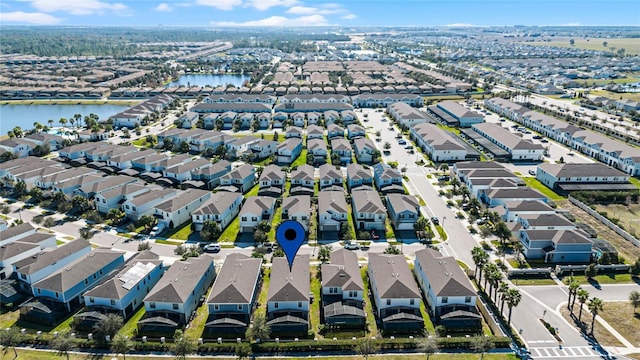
(279, 21)
(78, 7)
(349, 17)
(220, 4)
(323, 9)
(21, 17)
(267, 4)
(163, 7)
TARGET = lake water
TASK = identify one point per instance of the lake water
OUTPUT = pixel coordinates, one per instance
(212, 80)
(13, 115)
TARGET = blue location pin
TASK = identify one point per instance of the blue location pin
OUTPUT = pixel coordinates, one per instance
(290, 235)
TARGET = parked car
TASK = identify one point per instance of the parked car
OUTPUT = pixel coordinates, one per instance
(435, 220)
(537, 137)
(351, 245)
(532, 172)
(212, 248)
(402, 142)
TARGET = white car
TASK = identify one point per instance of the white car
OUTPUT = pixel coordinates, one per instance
(214, 248)
(351, 245)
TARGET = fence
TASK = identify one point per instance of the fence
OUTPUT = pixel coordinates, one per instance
(530, 272)
(620, 231)
(560, 269)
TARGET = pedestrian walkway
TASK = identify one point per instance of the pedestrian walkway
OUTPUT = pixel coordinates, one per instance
(572, 352)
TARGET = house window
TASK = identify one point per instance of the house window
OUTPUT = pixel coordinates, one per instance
(175, 306)
(152, 305)
(412, 301)
(244, 218)
(92, 300)
(240, 307)
(23, 276)
(86, 281)
(300, 304)
(113, 302)
(254, 218)
(353, 294)
(467, 299)
(388, 302)
(216, 307)
(94, 276)
(57, 294)
(39, 291)
(445, 299)
(275, 305)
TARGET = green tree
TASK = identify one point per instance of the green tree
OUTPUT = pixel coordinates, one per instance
(480, 258)
(595, 306)
(503, 232)
(62, 344)
(264, 226)
(10, 338)
(591, 271)
(210, 230)
(324, 254)
(503, 288)
(183, 346)
(392, 249)
(185, 147)
(635, 268)
(481, 344)
(147, 222)
(583, 296)
(243, 351)
(261, 328)
(634, 298)
(20, 188)
(81, 203)
(115, 216)
(513, 300)
(573, 288)
(49, 222)
(86, 233)
(366, 347)
(428, 346)
(108, 326)
(121, 345)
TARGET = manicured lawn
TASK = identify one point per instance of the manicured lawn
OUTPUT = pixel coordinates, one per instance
(604, 337)
(527, 282)
(602, 279)
(389, 234)
(196, 326)
(441, 232)
(629, 44)
(315, 307)
(66, 324)
(168, 242)
(264, 292)
(231, 232)
(621, 316)
(51, 355)
(537, 185)
(301, 160)
(181, 233)
(8, 319)
(60, 242)
(131, 326)
(635, 181)
(428, 325)
(368, 307)
(253, 192)
(352, 227)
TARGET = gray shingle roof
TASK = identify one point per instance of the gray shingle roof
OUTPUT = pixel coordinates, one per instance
(180, 280)
(49, 257)
(289, 285)
(236, 280)
(392, 277)
(444, 274)
(343, 271)
(368, 202)
(218, 203)
(334, 201)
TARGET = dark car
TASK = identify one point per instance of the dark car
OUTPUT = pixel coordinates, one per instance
(435, 220)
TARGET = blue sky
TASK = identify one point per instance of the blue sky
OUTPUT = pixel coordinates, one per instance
(319, 13)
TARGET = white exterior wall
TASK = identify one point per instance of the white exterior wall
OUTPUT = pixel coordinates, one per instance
(287, 305)
(44, 272)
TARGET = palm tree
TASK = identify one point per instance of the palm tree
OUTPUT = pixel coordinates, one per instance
(480, 258)
(583, 296)
(63, 122)
(573, 287)
(50, 121)
(502, 289)
(494, 281)
(595, 306)
(513, 299)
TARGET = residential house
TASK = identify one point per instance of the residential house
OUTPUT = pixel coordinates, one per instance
(222, 207)
(585, 176)
(330, 176)
(387, 179)
(368, 211)
(495, 197)
(189, 120)
(44, 263)
(343, 291)
(454, 114)
(175, 297)
(288, 297)
(112, 199)
(255, 210)
(395, 293)
(447, 290)
(289, 150)
(144, 202)
(239, 179)
(297, 119)
(302, 180)
(365, 150)
(520, 149)
(183, 172)
(357, 176)
(263, 149)
(176, 211)
(557, 246)
(545, 221)
(297, 208)
(404, 210)
(313, 118)
(212, 174)
(406, 115)
(334, 131)
(514, 209)
(342, 148)
(437, 143)
(293, 132)
(384, 100)
(19, 147)
(332, 210)
(354, 131)
(123, 292)
(314, 132)
(318, 149)
(22, 247)
(234, 296)
(272, 181)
